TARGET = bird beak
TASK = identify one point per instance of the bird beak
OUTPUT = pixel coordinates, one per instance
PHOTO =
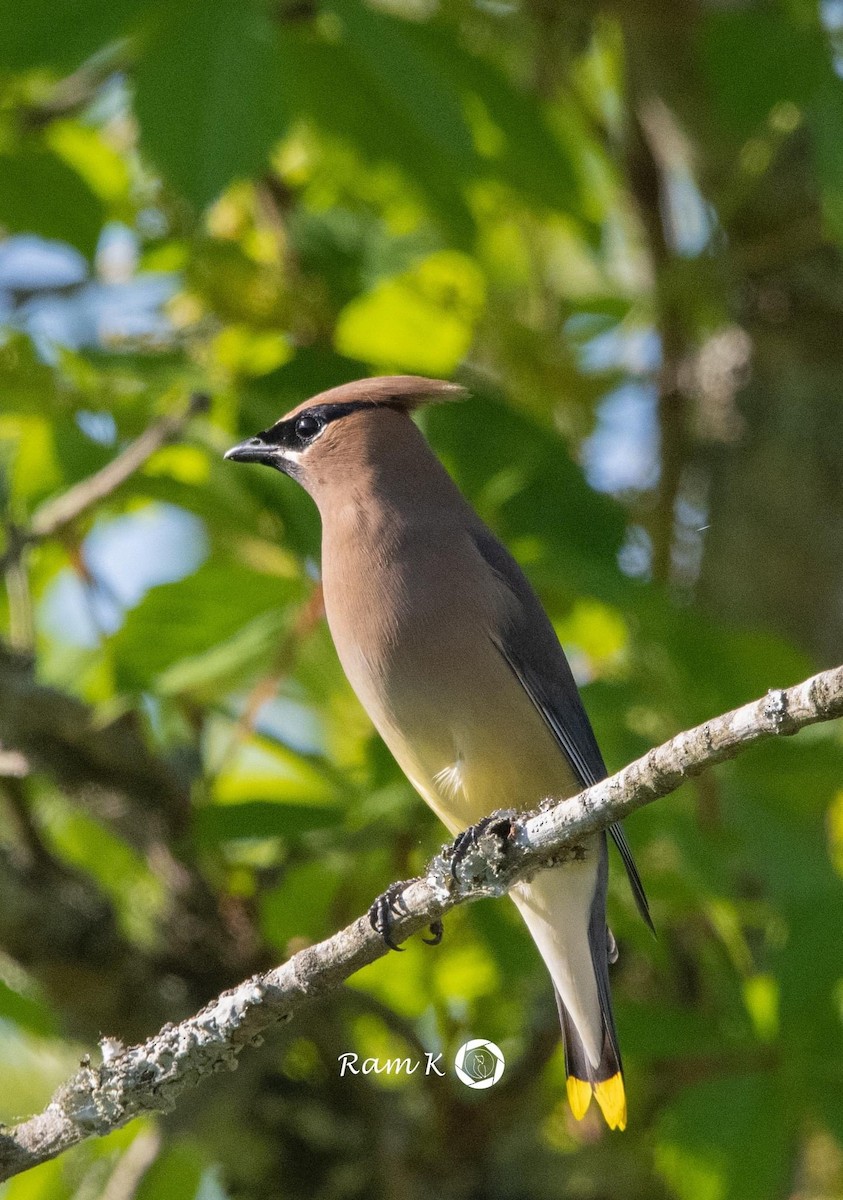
(254, 449)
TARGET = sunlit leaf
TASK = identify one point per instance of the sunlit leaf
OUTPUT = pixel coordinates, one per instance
(422, 321)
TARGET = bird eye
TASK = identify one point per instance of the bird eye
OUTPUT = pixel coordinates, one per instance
(307, 426)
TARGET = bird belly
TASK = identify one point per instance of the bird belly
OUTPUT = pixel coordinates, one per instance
(473, 744)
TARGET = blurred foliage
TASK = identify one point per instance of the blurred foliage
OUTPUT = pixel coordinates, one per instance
(622, 227)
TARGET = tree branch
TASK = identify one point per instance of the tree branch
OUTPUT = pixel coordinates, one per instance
(55, 515)
(149, 1077)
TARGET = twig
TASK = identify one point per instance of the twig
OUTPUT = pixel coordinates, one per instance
(308, 617)
(55, 515)
(78, 89)
(132, 1166)
(12, 788)
(21, 622)
(648, 168)
(149, 1077)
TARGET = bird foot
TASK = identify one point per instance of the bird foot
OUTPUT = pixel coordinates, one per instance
(499, 824)
(387, 906)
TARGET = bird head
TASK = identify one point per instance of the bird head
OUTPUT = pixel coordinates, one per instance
(335, 423)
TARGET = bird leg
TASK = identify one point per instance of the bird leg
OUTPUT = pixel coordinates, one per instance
(388, 905)
(499, 825)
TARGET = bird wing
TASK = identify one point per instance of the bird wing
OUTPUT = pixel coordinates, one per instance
(532, 651)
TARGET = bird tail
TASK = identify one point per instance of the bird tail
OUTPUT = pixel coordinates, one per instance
(565, 911)
(605, 1081)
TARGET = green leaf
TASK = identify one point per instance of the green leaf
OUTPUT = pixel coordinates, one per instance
(181, 621)
(539, 495)
(725, 1140)
(204, 676)
(422, 320)
(516, 142)
(289, 819)
(757, 58)
(208, 95)
(426, 98)
(122, 874)
(175, 1174)
(299, 906)
(333, 87)
(39, 193)
(27, 1012)
(60, 35)
(825, 119)
(28, 384)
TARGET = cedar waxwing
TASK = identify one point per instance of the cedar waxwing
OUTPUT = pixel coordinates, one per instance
(455, 661)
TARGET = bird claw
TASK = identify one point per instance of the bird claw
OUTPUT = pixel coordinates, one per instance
(437, 929)
(384, 908)
(499, 824)
(388, 905)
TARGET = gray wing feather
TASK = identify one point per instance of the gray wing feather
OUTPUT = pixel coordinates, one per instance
(533, 654)
(598, 939)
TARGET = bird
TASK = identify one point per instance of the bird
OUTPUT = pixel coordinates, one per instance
(451, 653)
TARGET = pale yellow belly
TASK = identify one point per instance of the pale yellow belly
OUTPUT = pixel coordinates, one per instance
(469, 751)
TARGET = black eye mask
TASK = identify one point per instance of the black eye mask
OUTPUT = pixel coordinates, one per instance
(298, 432)
(295, 434)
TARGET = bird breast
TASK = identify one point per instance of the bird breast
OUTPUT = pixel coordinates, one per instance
(413, 611)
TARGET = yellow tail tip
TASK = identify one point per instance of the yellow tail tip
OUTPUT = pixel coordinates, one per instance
(612, 1100)
(579, 1096)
